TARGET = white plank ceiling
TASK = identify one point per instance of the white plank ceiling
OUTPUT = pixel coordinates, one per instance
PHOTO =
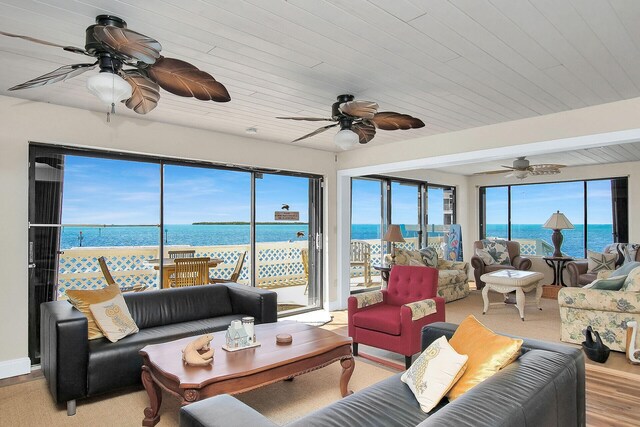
(455, 64)
(629, 152)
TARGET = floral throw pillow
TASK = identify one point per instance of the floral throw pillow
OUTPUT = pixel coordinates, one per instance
(434, 372)
(404, 256)
(429, 256)
(598, 262)
(498, 251)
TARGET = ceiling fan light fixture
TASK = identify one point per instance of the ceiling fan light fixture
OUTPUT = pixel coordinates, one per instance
(521, 174)
(110, 88)
(346, 139)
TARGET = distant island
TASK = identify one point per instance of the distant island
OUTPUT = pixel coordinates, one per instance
(248, 223)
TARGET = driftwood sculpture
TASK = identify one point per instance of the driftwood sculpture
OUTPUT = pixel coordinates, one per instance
(633, 354)
(191, 354)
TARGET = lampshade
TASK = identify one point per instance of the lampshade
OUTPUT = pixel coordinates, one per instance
(393, 234)
(108, 87)
(558, 222)
(346, 139)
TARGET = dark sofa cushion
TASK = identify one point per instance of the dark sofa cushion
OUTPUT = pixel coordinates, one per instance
(168, 306)
(387, 403)
(114, 365)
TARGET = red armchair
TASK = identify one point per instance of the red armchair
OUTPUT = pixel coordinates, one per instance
(385, 319)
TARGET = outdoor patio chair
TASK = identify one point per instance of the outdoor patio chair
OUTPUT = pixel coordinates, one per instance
(109, 278)
(236, 271)
(186, 253)
(191, 272)
(361, 257)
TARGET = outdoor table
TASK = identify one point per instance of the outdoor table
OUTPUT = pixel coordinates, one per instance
(169, 267)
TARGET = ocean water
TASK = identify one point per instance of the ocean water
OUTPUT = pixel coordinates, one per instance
(222, 234)
(179, 234)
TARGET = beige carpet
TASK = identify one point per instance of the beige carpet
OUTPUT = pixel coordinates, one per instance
(30, 404)
(539, 324)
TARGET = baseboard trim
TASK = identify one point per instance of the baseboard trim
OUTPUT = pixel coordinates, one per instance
(14, 367)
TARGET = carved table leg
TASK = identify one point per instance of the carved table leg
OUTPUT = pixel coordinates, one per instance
(348, 364)
(151, 417)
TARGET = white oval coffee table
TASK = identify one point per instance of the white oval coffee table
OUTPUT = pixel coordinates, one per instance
(505, 281)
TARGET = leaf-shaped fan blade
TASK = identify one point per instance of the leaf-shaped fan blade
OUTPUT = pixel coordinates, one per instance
(61, 74)
(365, 132)
(317, 131)
(362, 109)
(545, 169)
(491, 172)
(308, 119)
(128, 43)
(46, 43)
(388, 120)
(184, 79)
(145, 93)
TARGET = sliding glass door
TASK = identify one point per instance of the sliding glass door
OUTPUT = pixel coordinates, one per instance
(208, 211)
(138, 212)
(405, 212)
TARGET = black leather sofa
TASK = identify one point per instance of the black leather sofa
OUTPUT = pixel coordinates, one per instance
(544, 387)
(76, 367)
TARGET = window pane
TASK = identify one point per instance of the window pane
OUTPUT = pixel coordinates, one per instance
(533, 204)
(118, 208)
(209, 211)
(366, 223)
(599, 215)
(496, 212)
(405, 210)
(440, 209)
(280, 244)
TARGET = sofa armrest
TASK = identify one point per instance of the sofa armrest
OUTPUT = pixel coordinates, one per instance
(477, 263)
(521, 263)
(575, 269)
(64, 346)
(600, 300)
(444, 264)
(259, 303)
(222, 411)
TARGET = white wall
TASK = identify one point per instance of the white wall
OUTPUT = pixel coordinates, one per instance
(24, 121)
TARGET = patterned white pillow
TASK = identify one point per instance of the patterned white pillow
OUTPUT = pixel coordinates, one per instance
(113, 318)
(434, 372)
(598, 262)
(498, 251)
(632, 282)
(485, 257)
(404, 256)
(429, 256)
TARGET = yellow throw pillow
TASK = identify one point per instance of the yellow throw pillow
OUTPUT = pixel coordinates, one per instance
(488, 353)
(113, 318)
(82, 299)
(436, 370)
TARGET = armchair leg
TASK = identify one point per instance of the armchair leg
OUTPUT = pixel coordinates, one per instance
(71, 407)
(407, 361)
(355, 348)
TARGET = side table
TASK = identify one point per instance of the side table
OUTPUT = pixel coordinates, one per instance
(384, 271)
(558, 265)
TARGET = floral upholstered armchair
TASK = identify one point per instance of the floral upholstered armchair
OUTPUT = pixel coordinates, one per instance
(606, 311)
(453, 279)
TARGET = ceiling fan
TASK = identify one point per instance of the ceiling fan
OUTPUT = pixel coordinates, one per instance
(521, 169)
(131, 68)
(358, 121)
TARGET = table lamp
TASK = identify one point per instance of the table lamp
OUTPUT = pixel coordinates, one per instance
(556, 223)
(393, 235)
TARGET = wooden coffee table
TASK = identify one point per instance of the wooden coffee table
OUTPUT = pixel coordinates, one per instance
(235, 372)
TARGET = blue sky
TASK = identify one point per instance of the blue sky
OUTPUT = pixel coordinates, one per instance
(534, 204)
(404, 208)
(106, 191)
